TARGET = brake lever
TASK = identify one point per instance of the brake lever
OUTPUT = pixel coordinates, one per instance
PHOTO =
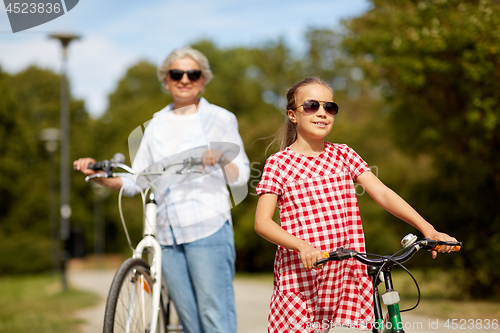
(123, 167)
(95, 175)
(188, 164)
(345, 253)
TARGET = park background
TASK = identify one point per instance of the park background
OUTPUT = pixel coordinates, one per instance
(418, 84)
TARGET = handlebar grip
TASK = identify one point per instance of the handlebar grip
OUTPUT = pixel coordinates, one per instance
(326, 258)
(321, 261)
(456, 248)
(96, 166)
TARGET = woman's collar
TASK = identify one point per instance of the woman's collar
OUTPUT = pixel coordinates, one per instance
(201, 106)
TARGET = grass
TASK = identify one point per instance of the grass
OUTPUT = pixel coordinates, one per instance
(37, 304)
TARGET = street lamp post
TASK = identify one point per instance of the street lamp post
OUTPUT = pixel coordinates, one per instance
(100, 193)
(65, 39)
(51, 137)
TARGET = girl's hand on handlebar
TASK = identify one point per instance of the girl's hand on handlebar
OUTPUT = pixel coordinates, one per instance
(309, 255)
(442, 237)
(82, 165)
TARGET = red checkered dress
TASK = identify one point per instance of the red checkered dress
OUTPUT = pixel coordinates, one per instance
(317, 203)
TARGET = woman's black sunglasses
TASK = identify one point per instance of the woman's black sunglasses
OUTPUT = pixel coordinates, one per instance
(177, 74)
(312, 106)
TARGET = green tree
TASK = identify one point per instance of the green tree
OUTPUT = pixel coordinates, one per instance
(437, 63)
(30, 103)
(16, 155)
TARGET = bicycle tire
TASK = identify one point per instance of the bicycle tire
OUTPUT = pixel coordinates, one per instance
(131, 293)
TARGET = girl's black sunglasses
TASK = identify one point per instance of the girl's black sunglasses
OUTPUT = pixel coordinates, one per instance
(177, 74)
(312, 106)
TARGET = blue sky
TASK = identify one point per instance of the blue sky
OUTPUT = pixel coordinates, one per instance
(118, 33)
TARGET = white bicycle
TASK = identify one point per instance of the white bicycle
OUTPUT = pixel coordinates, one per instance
(138, 298)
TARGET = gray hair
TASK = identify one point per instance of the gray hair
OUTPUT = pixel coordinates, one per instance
(183, 53)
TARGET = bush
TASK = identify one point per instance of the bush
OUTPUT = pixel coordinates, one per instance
(24, 253)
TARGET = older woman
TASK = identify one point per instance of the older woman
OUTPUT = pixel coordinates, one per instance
(195, 222)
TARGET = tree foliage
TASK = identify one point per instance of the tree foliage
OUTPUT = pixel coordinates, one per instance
(438, 63)
(30, 103)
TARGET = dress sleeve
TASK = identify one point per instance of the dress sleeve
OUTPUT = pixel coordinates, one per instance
(271, 181)
(355, 163)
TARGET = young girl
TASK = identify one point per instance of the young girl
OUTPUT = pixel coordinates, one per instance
(313, 183)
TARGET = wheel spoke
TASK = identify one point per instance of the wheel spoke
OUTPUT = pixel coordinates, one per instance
(130, 304)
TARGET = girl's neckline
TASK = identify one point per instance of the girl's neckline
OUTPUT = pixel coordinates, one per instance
(310, 157)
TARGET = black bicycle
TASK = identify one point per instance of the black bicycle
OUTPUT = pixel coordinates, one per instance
(380, 270)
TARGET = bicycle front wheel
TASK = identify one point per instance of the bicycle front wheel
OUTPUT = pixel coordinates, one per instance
(130, 300)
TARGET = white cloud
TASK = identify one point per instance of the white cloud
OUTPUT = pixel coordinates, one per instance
(17, 55)
(96, 65)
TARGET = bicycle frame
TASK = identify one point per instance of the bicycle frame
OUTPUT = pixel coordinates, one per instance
(149, 241)
(156, 287)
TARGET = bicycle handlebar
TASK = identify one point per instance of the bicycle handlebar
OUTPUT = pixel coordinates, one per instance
(114, 163)
(341, 254)
(118, 160)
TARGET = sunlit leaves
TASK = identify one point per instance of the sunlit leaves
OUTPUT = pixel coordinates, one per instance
(440, 60)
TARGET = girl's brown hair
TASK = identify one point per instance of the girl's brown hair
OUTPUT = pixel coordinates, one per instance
(287, 134)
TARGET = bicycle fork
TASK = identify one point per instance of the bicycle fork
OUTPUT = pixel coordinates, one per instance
(390, 298)
(149, 241)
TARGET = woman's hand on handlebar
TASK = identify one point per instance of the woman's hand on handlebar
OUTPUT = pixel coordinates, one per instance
(211, 157)
(82, 165)
(442, 237)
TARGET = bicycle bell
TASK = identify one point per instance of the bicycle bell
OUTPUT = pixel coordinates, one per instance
(408, 240)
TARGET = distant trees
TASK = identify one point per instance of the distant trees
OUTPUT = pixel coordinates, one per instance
(438, 64)
(30, 103)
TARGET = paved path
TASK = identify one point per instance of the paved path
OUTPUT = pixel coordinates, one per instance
(252, 300)
(98, 282)
(252, 305)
